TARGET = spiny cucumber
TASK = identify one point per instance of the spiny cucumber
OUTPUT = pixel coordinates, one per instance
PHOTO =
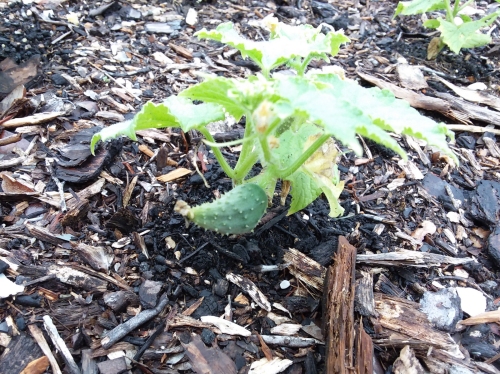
(236, 212)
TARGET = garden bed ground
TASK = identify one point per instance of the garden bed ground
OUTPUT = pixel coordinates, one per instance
(99, 258)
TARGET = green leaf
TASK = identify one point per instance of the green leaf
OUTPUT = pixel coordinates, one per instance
(287, 43)
(188, 116)
(173, 112)
(304, 190)
(337, 116)
(237, 96)
(464, 36)
(419, 6)
(316, 175)
(118, 129)
(465, 18)
(332, 192)
(386, 113)
(432, 23)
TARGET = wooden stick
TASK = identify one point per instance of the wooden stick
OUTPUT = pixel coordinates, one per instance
(121, 330)
(40, 339)
(60, 345)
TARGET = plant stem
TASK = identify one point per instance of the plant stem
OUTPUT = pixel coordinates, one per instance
(246, 159)
(490, 18)
(456, 7)
(303, 157)
(218, 154)
(465, 4)
(265, 149)
(449, 12)
(303, 67)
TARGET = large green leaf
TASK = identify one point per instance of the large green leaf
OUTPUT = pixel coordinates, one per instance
(336, 116)
(287, 43)
(466, 35)
(175, 111)
(218, 90)
(419, 6)
(385, 113)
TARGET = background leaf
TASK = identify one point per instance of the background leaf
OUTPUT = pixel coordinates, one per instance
(464, 36)
(419, 6)
(287, 43)
(432, 23)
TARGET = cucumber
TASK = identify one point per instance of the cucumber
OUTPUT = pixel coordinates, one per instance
(236, 212)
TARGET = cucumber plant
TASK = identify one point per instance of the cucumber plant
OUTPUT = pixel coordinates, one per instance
(290, 120)
(457, 29)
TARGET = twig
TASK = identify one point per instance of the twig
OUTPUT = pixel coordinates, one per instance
(493, 359)
(271, 223)
(60, 185)
(38, 280)
(11, 139)
(42, 343)
(197, 169)
(17, 309)
(367, 150)
(60, 345)
(286, 341)
(121, 330)
(31, 146)
(192, 253)
(58, 39)
(150, 340)
(470, 128)
(267, 268)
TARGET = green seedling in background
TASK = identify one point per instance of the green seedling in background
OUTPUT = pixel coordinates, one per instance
(457, 30)
(290, 120)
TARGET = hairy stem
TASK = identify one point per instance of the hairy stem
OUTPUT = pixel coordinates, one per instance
(449, 12)
(463, 6)
(304, 65)
(265, 149)
(303, 157)
(218, 154)
(247, 159)
(456, 7)
(490, 18)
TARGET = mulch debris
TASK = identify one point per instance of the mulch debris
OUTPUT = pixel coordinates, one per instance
(99, 275)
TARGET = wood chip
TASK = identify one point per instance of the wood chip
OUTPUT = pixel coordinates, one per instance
(145, 149)
(225, 326)
(411, 77)
(38, 366)
(208, 360)
(251, 289)
(40, 339)
(173, 175)
(35, 119)
(306, 269)
(338, 309)
(264, 366)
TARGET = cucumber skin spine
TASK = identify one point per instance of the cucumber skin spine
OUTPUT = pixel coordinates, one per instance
(236, 212)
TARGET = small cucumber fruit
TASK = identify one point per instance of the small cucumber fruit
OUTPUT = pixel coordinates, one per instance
(236, 212)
